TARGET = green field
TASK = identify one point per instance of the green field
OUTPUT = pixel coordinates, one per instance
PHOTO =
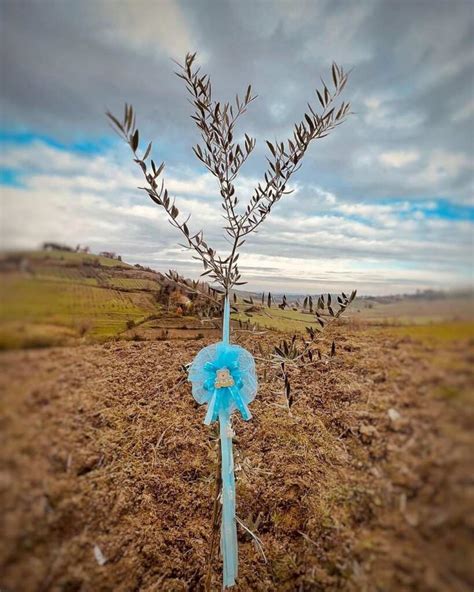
(435, 331)
(421, 328)
(100, 312)
(57, 297)
(276, 319)
(447, 317)
(128, 283)
(50, 298)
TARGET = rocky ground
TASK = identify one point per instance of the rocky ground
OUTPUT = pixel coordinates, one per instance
(108, 471)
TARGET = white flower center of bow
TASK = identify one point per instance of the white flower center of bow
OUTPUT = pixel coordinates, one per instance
(223, 379)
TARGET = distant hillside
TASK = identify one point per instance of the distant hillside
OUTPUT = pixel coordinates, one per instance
(54, 297)
(420, 295)
(50, 297)
(441, 305)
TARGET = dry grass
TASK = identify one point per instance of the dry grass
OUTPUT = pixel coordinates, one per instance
(105, 446)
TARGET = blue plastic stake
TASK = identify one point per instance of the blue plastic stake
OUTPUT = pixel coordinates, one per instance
(223, 376)
(228, 526)
(226, 322)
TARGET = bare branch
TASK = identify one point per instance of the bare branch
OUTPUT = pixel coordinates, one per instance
(159, 195)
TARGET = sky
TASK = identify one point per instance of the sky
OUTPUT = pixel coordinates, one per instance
(383, 205)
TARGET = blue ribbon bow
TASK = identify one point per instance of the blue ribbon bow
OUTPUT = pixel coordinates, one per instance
(224, 377)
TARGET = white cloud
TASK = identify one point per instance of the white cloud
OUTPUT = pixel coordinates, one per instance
(464, 113)
(278, 110)
(312, 241)
(383, 112)
(373, 103)
(399, 158)
(442, 166)
(146, 25)
(412, 76)
(321, 195)
(337, 33)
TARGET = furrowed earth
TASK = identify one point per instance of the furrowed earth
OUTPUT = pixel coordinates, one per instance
(107, 478)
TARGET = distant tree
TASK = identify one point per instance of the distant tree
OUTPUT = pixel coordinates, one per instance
(80, 249)
(50, 246)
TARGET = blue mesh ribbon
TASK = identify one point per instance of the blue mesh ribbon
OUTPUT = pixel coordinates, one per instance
(223, 376)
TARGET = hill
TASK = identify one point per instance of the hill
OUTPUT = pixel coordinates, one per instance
(57, 297)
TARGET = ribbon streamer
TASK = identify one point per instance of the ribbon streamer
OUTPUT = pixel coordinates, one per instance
(223, 376)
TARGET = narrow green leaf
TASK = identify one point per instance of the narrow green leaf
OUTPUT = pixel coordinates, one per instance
(135, 140)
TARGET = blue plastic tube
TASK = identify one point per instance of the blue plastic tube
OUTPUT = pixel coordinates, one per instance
(228, 525)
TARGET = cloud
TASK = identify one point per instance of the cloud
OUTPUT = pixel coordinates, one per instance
(316, 240)
(466, 112)
(145, 26)
(399, 158)
(362, 196)
(441, 166)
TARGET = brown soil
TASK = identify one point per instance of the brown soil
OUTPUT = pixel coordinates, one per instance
(105, 448)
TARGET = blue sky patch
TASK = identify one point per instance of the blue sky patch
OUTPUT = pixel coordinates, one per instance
(451, 211)
(92, 146)
(10, 178)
